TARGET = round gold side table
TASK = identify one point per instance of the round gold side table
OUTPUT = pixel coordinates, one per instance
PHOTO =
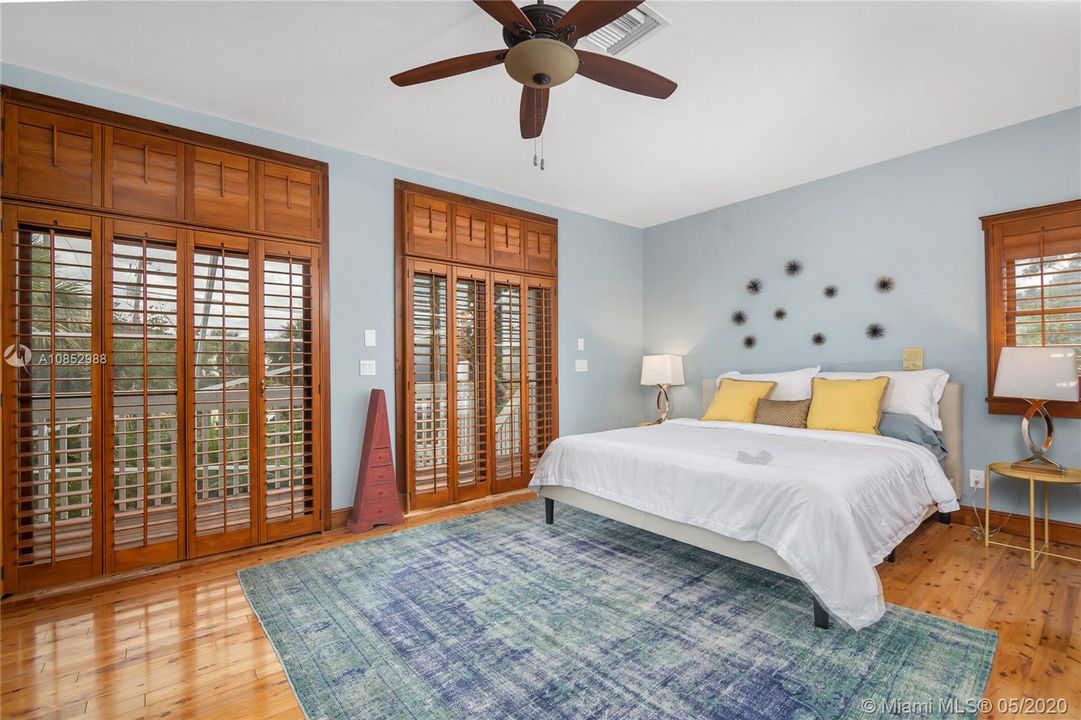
(1072, 476)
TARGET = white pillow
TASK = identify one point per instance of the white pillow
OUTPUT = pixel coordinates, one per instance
(791, 385)
(910, 392)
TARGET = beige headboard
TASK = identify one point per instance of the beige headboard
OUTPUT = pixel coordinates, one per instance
(949, 409)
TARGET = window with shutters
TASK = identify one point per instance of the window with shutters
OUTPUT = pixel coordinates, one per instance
(479, 371)
(1033, 288)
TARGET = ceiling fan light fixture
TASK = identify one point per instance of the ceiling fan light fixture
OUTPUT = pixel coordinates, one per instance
(541, 62)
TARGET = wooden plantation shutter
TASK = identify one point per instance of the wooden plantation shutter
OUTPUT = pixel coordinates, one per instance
(471, 376)
(427, 394)
(476, 333)
(541, 359)
(221, 395)
(53, 415)
(508, 408)
(288, 389)
(1034, 288)
(145, 432)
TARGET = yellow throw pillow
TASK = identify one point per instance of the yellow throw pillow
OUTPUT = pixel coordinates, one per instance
(736, 400)
(850, 405)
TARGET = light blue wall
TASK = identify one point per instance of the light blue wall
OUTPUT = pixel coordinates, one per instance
(600, 278)
(915, 218)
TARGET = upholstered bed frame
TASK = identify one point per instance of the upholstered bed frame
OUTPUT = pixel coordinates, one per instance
(748, 551)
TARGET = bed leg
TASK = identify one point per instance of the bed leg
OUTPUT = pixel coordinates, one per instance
(892, 557)
(822, 618)
(944, 518)
(549, 511)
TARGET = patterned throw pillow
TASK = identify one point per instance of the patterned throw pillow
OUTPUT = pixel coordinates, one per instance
(786, 413)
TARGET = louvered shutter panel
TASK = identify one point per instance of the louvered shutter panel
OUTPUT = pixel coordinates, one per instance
(54, 410)
(506, 242)
(221, 394)
(222, 188)
(51, 156)
(145, 522)
(427, 393)
(471, 335)
(508, 407)
(470, 235)
(144, 173)
(288, 389)
(1041, 288)
(290, 200)
(541, 362)
(427, 226)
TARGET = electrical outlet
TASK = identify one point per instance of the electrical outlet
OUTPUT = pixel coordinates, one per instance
(976, 478)
(581, 365)
(367, 367)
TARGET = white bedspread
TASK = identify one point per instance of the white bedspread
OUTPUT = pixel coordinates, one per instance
(830, 504)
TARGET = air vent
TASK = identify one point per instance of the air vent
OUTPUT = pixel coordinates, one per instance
(623, 32)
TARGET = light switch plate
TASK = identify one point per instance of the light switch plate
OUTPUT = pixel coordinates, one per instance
(367, 367)
(976, 478)
(581, 343)
(369, 338)
(912, 359)
(581, 365)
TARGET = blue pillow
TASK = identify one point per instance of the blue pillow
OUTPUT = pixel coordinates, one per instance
(907, 427)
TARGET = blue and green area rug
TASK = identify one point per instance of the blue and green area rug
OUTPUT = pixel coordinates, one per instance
(497, 615)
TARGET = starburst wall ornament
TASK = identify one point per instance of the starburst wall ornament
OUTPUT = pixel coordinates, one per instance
(875, 331)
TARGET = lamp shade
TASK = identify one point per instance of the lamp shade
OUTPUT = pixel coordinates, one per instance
(662, 370)
(1037, 373)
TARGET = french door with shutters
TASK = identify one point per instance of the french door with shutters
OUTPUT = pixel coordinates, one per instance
(289, 390)
(53, 484)
(480, 380)
(145, 432)
(223, 498)
(168, 406)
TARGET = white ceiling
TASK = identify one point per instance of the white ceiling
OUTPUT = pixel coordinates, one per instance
(770, 94)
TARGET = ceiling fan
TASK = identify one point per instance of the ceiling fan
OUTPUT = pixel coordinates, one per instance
(540, 54)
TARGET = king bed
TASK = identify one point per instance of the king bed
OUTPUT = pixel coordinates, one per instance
(821, 506)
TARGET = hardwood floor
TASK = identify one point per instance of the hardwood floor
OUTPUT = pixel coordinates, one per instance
(185, 643)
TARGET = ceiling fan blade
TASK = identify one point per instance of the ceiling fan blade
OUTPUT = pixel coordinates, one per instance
(588, 15)
(507, 14)
(448, 68)
(624, 75)
(533, 110)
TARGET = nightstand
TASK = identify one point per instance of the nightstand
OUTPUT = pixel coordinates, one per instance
(1072, 476)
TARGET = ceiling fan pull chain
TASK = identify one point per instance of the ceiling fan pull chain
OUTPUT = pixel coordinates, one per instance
(534, 152)
(542, 151)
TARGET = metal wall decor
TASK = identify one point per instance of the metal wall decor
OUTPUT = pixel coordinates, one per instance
(739, 317)
(884, 284)
(875, 331)
(780, 314)
(754, 286)
(792, 268)
(749, 342)
(830, 291)
(818, 339)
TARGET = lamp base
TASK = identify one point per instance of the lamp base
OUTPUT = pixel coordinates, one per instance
(1038, 461)
(1040, 465)
(664, 408)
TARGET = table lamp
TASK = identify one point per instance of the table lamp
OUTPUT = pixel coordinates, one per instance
(664, 371)
(1038, 375)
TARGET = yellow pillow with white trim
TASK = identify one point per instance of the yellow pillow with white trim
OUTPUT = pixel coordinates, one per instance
(849, 405)
(736, 400)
